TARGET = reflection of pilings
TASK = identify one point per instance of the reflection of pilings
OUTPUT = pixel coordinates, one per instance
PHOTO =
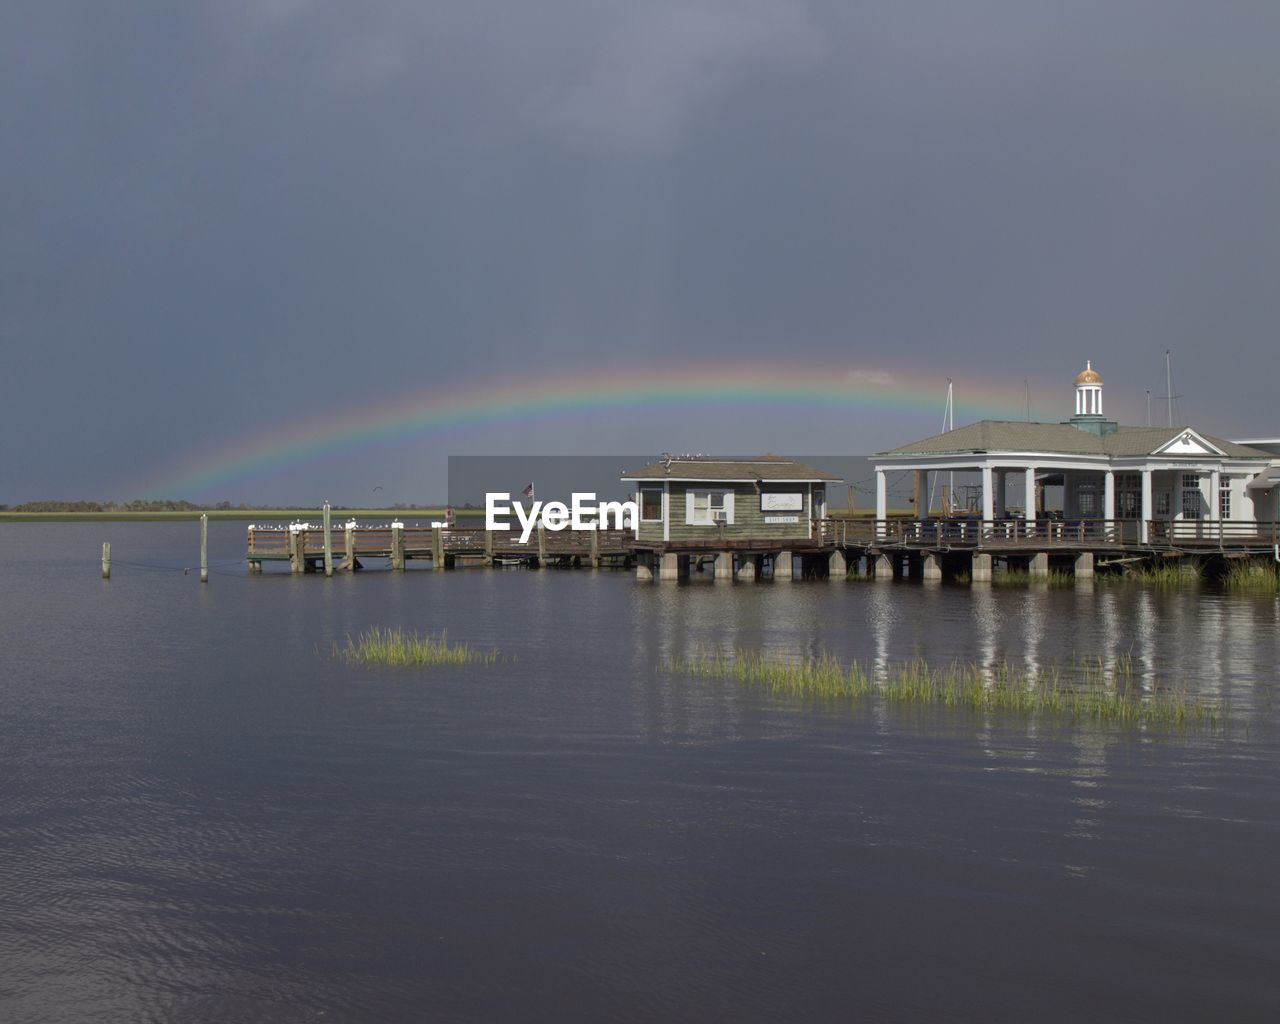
(880, 620)
(987, 621)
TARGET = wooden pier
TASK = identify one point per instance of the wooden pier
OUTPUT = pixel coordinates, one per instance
(887, 547)
(303, 547)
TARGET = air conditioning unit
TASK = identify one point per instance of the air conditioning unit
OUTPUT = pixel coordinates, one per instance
(719, 515)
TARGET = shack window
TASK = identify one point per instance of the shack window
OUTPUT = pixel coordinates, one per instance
(651, 504)
(1224, 498)
(707, 508)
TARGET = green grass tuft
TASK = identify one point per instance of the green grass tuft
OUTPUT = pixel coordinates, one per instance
(1167, 573)
(1252, 577)
(1022, 577)
(1089, 690)
(396, 647)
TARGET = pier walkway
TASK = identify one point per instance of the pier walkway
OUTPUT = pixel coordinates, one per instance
(890, 547)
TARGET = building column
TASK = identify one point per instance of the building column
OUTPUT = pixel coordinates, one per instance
(1002, 487)
(922, 493)
(1084, 565)
(1029, 499)
(669, 566)
(1038, 567)
(1215, 483)
(883, 572)
(1109, 501)
(981, 569)
(724, 565)
(644, 566)
(1147, 507)
(882, 501)
(932, 567)
(748, 566)
(988, 495)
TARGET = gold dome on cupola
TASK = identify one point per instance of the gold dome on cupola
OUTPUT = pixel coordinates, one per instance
(1088, 375)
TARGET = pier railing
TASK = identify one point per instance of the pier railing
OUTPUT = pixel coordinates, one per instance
(1223, 534)
(278, 541)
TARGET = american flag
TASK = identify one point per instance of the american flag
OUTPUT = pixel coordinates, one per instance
(528, 491)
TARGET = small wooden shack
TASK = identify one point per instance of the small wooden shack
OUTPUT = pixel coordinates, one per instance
(747, 514)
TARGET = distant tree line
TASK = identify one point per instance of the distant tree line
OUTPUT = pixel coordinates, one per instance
(163, 506)
(109, 506)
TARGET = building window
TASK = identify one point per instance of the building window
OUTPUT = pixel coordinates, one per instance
(1191, 504)
(1162, 503)
(1190, 482)
(1224, 497)
(651, 504)
(1087, 501)
(707, 508)
(1128, 495)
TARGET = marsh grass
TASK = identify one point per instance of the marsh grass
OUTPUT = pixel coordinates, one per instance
(1083, 690)
(1252, 577)
(1021, 578)
(1166, 574)
(396, 647)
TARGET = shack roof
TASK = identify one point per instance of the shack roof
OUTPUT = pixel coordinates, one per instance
(763, 468)
(1059, 439)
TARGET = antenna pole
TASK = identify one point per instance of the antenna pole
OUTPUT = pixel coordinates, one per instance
(1148, 407)
(951, 425)
(1168, 383)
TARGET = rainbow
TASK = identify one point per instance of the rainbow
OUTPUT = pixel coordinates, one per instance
(482, 405)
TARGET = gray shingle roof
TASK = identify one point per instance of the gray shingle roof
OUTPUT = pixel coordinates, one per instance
(1059, 439)
(760, 467)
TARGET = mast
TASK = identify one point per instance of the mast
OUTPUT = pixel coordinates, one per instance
(1168, 384)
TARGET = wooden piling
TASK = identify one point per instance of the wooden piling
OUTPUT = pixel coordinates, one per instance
(297, 548)
(488, 547)
(595, 549)
(437, 547)
(204, 547)
(397, 546)
(106, 559)
(328, 543)
(542, 545)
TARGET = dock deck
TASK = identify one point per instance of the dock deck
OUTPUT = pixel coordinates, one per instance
(836, 542)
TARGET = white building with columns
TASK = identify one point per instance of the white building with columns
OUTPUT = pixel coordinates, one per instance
(1132, 482)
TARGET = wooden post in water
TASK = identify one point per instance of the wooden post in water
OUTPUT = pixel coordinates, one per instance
(488, 547)
(595, 547)
(349, 540)
(328, 543)
(397, 546)
(204, 547)
(437, 547)
(542, 546)
(106, 559)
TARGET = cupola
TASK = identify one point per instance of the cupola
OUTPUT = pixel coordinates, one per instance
(1088, 391)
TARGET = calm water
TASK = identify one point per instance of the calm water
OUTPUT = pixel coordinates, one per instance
(204, 817)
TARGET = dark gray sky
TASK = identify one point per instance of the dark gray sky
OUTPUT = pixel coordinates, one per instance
(222, 217)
